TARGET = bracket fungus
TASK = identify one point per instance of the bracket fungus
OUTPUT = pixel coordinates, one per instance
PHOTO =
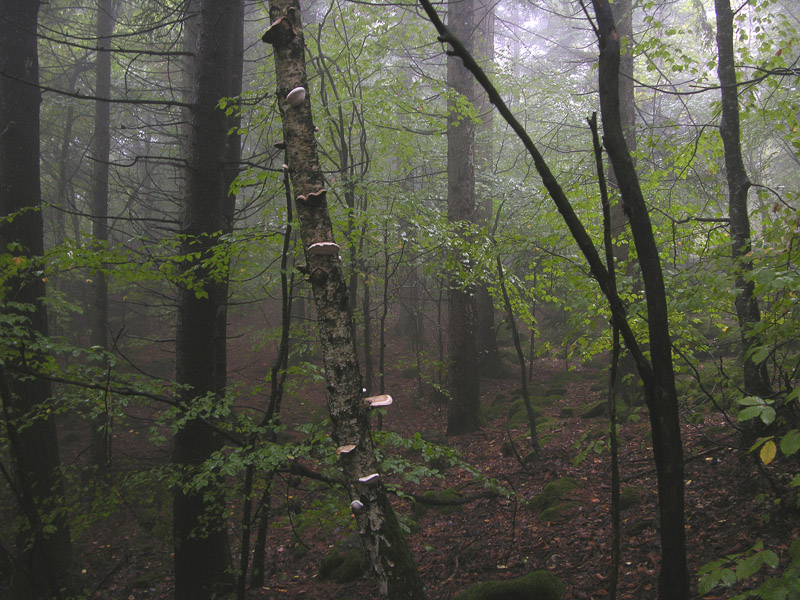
(296, 96)
(346, 449)
(370, 479)
(318, 195)
(280, 32)
(324, 248)
(356, 505)
(378, 401)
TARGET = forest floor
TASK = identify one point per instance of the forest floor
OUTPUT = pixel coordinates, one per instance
(729, 505)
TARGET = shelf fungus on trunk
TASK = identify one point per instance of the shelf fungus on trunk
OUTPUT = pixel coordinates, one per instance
(346, 449)
(318, 195)
(324, 248)
(280, 32)
(378, 401)
(356, 506)
(296, 96)
(370, 479)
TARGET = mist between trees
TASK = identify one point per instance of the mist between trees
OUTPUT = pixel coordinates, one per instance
(275, 273)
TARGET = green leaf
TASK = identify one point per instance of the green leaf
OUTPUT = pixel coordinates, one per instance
(751, 412)
(707, 583)
(790, 442)
(794, 551)
(749, 566)
(770, 558)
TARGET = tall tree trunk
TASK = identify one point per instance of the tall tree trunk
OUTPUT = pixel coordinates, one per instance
(202, 552)
(100, 427)
(657, 372)
(486, 334)
(628, 381)
(44, 551)
(756, 381)
(383, 539)
(660, 394)
(233, 157)
(464, 407)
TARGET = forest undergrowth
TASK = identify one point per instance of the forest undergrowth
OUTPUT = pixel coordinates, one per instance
(552, 512)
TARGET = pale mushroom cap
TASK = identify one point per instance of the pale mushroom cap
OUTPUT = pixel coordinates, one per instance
(296, 96)
(378, 401)
(356, 505)
(327, 248)
(370, 478)
(345, 449)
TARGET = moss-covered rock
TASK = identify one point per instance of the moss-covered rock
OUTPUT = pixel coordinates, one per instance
(538, 585)
(420, 508)
(554, 512)
(433, 437)
(518, 414)
(344, 562)
(628, 497)
(552, 494)
(598, 409)
(566, 412)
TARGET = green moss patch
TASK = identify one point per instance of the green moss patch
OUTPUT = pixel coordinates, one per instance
(628, 497)
(420, 508)
(344, 563)
(552, 494)
(538, 585)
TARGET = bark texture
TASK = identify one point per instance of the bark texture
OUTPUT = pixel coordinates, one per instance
(660, 393)
(464, 407)
(44, 551)
(756, 381)
(202, 552)
(491, 361)
(389, 555)
(101, 434)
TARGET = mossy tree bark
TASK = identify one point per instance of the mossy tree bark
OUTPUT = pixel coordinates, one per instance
(44, 551)
(756, 380)
(464, 406)
(202, 552)
(389, 555)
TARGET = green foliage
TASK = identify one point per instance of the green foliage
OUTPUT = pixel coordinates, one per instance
(739, 567)
(590, 442)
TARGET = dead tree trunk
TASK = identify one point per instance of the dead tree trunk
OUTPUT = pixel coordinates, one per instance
(383, 539)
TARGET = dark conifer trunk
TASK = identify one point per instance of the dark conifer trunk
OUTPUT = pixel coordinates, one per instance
(100, 427)
(202, 552)
(44, 550)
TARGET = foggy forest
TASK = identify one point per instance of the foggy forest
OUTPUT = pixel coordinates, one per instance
(353, 299)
